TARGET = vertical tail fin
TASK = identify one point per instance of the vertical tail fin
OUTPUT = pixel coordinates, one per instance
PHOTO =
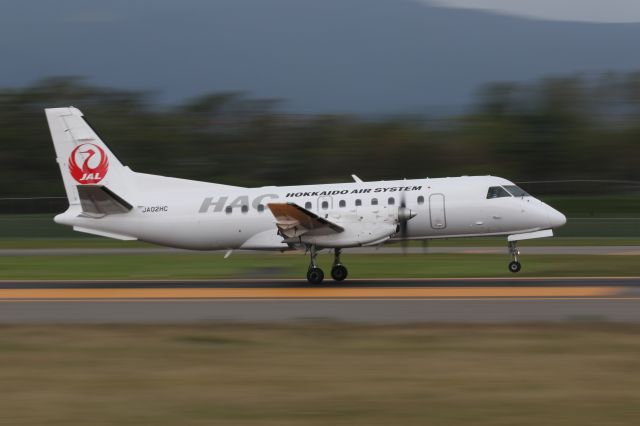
(82, 156)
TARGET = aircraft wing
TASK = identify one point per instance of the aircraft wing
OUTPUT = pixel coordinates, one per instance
(293, 220)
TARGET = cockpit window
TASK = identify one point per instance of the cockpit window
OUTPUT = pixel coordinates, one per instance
(516, 191)
(497, 192)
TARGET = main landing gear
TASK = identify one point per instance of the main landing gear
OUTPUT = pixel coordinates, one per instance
(514, 265)
(338, 271)
(315, 275)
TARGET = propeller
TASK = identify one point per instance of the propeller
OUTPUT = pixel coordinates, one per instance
(404, 215)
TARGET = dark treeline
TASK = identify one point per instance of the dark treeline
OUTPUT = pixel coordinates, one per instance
(557, 128)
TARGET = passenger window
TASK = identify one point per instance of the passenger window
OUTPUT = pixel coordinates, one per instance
(374, 202)
(228, 210)
(358, 203)
(391, 201)
(260, 208)
(325, 205)
(343, 203)
(307, 205)
(244, 209)
(497, 192)
(421, 200)
(516, 191)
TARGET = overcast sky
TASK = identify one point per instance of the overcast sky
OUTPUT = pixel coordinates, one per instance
(559, 10)
(362, 56)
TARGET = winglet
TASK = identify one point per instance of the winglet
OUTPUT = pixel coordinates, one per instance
(356, 178)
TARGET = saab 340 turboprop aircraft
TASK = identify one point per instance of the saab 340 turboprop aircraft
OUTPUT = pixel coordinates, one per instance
(110, 200)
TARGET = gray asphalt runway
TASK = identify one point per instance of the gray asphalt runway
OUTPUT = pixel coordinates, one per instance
(373, 301)
(361, 283)
(368, 311)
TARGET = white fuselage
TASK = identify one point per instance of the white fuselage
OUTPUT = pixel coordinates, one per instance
(203, 216)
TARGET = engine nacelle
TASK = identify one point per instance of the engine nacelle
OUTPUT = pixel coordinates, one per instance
(354, 235)
(405, 214)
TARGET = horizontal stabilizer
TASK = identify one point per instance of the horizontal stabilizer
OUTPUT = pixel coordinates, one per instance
(293, 220)
(100, 200)
(104, 233)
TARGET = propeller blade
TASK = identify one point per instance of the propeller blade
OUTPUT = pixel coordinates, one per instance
(404, 215)
(402, 219)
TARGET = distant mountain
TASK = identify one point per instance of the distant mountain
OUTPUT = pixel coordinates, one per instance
(363, 56)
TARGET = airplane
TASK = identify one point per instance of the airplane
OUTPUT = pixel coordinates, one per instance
(109, 199)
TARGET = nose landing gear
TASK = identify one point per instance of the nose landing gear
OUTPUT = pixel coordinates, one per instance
(514, 265)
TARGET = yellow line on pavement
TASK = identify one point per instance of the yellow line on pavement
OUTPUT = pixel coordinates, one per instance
(301, 280)
(303, 293)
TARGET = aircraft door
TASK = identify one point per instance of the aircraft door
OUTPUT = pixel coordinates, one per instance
(325, 204)
(437, 211)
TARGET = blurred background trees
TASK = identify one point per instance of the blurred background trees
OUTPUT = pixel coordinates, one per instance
(573, 127)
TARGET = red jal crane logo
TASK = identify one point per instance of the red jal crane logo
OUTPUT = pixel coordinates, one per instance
(88, 163)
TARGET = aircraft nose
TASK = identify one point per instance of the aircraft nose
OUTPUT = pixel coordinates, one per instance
(556, 219)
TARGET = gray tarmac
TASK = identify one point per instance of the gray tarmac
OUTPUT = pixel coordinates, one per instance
(362, 311)
(605, 299)
(629, 283)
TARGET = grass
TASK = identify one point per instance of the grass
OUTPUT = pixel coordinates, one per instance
(70, 242)
(293, 265)
(319, 374)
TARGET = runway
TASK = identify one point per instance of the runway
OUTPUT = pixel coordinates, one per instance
(373, 301)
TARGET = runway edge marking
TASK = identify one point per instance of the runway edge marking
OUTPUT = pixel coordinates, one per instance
(356, 280)
(306, 293)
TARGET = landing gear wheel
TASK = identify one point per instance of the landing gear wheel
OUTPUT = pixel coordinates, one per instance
(339, 272)
(515, 267)
(315, 275)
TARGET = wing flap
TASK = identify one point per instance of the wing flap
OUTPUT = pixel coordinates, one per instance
(293, 220)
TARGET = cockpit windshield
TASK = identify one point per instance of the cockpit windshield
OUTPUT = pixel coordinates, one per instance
(516, 191)
(497, 192)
